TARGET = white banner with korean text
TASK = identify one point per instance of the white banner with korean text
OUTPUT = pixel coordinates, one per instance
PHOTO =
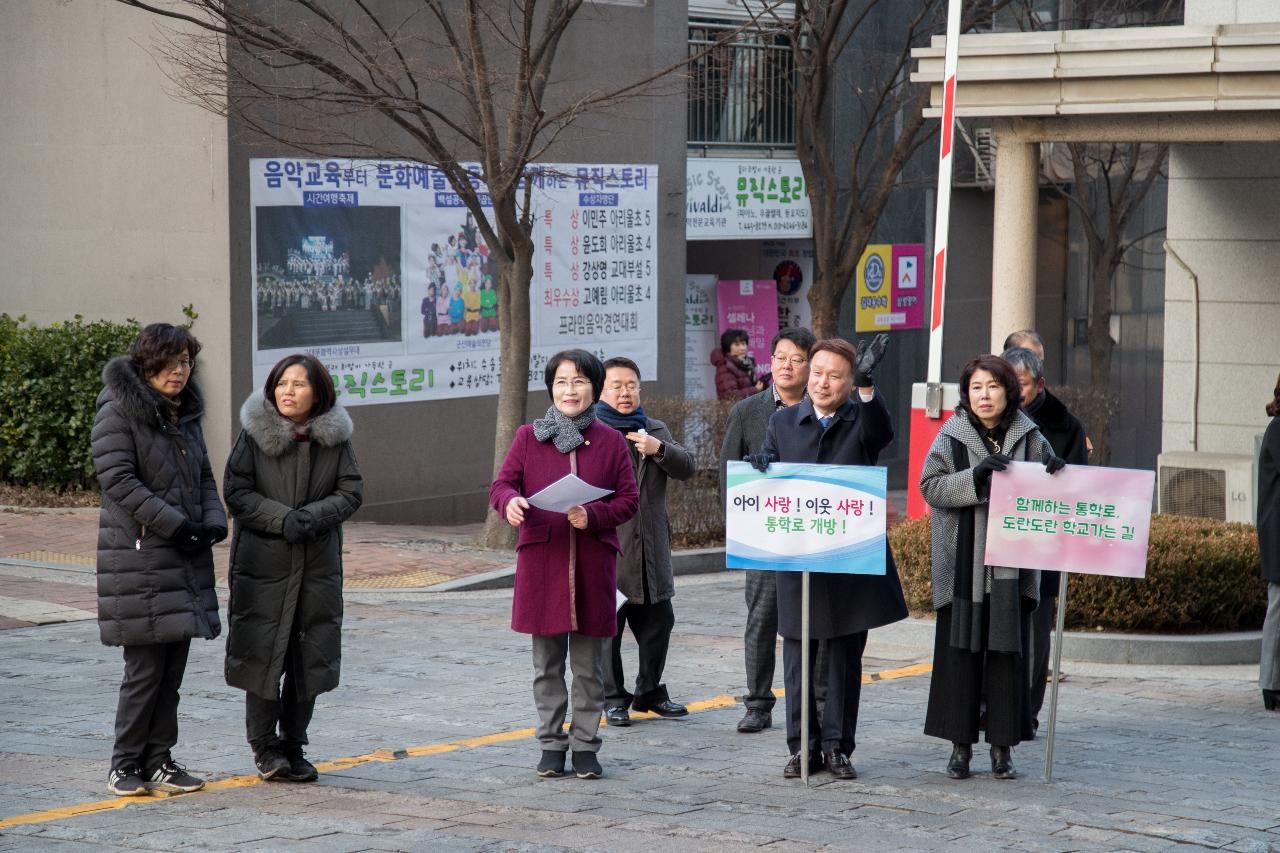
(745, 200)
(377, 269)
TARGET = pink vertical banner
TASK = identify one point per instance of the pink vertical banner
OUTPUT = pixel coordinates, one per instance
(752, 305)
(907, 294)
(1087, 520)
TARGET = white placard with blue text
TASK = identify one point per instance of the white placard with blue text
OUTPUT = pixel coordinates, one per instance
(806, 517)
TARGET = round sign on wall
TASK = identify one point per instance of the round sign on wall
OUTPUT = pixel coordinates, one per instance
(873, 273)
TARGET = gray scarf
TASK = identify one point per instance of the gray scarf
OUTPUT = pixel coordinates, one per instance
(564, 432)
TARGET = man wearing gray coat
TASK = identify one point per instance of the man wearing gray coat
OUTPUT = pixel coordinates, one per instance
(644, 568)
(744, 436)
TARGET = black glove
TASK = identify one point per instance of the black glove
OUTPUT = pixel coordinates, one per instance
(983, 470)
(868, 356)
(190, 537)
(759, 461)
(214, 533)
(1054, 464)
(299, 526)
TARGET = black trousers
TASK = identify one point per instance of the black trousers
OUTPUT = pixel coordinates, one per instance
(962, 679)
(651, 625)
(147, 710)
(832, 726)
(1042, 624)
(291, 712)
(760, 639)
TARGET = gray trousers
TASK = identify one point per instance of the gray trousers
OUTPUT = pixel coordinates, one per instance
(760, 639)
(1269, 665)
(587, 660)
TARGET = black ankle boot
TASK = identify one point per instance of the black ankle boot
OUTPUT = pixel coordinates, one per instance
(958, 766)
(1271, 700)
(1002, 763)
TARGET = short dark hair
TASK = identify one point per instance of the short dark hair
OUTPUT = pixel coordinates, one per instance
(323, 394)
(1273, 408)
(1021, 357)
(838, 346)
(622, 361)
(588, 365)
(798, 335)
(159, 344)
(1022, 337)
(1003, 373)
(731, 337)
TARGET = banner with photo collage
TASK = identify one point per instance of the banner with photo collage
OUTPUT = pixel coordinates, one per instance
(378, 269)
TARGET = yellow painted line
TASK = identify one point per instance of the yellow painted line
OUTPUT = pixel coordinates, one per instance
(387, 755)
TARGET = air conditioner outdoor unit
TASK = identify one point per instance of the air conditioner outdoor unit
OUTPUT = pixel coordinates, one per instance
(1207, 485)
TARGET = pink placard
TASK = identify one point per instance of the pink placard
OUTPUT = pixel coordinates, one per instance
(907, 295)
(751, 305)
(1087, 520)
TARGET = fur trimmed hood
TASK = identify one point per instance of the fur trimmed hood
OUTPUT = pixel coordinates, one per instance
(274, 433)
(137, 401)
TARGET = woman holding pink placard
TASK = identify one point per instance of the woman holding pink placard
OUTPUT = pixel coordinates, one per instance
(1269, 546)
(983, 611)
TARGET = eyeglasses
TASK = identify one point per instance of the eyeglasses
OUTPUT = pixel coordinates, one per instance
(179, 364)
(796, 360)
(562, 385)
(624, 386)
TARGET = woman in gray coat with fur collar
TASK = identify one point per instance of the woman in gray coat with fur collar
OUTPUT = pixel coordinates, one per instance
(983, 611)
(291, 481)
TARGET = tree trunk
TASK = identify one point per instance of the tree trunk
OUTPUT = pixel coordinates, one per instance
(1102, 267)
(513, 388)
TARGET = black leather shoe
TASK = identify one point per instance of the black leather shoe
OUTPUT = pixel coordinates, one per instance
(1271, 700)
(663, 708)
(755, 720)
(792, 770)
(1002, 763)
(838, 764)
(617, 716)
(958, 766)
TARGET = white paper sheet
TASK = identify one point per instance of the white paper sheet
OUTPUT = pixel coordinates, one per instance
(566, 493)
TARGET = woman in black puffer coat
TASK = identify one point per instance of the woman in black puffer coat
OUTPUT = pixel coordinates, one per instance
(291, 481)
(160, 515)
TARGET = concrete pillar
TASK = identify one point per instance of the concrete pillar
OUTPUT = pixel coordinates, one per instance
(1013, 256)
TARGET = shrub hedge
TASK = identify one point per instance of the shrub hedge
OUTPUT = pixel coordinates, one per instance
(1202, 575)
(50, 377)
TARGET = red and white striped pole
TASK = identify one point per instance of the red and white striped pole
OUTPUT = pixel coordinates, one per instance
(931, 398)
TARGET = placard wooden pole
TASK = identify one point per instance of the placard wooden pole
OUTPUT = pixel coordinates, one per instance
(804, 678)
(1057, 667)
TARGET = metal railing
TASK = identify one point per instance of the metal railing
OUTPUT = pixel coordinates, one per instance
(740, 92)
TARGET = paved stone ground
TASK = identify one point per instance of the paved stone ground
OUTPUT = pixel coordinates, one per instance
(1147, 758)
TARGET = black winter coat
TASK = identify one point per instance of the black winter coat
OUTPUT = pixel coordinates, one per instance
(154, 476)
(838, 604)
(278, 587)
(1066, 435)
(1269, 502)
(645, 561)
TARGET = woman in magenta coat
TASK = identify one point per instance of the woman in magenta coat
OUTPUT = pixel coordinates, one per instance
(565, 577)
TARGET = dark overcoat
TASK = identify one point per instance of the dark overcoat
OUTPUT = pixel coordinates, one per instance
(276, 586)
(646, 538)
(549, 598)
(154, 475)
(1269, 502)
(1066, 435)
(838, 604)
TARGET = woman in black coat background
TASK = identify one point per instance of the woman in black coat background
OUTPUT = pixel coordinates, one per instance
(160, 517)
(1269, 546)
(291, 481)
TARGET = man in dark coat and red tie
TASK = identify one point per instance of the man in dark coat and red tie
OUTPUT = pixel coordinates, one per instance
(833, 426)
